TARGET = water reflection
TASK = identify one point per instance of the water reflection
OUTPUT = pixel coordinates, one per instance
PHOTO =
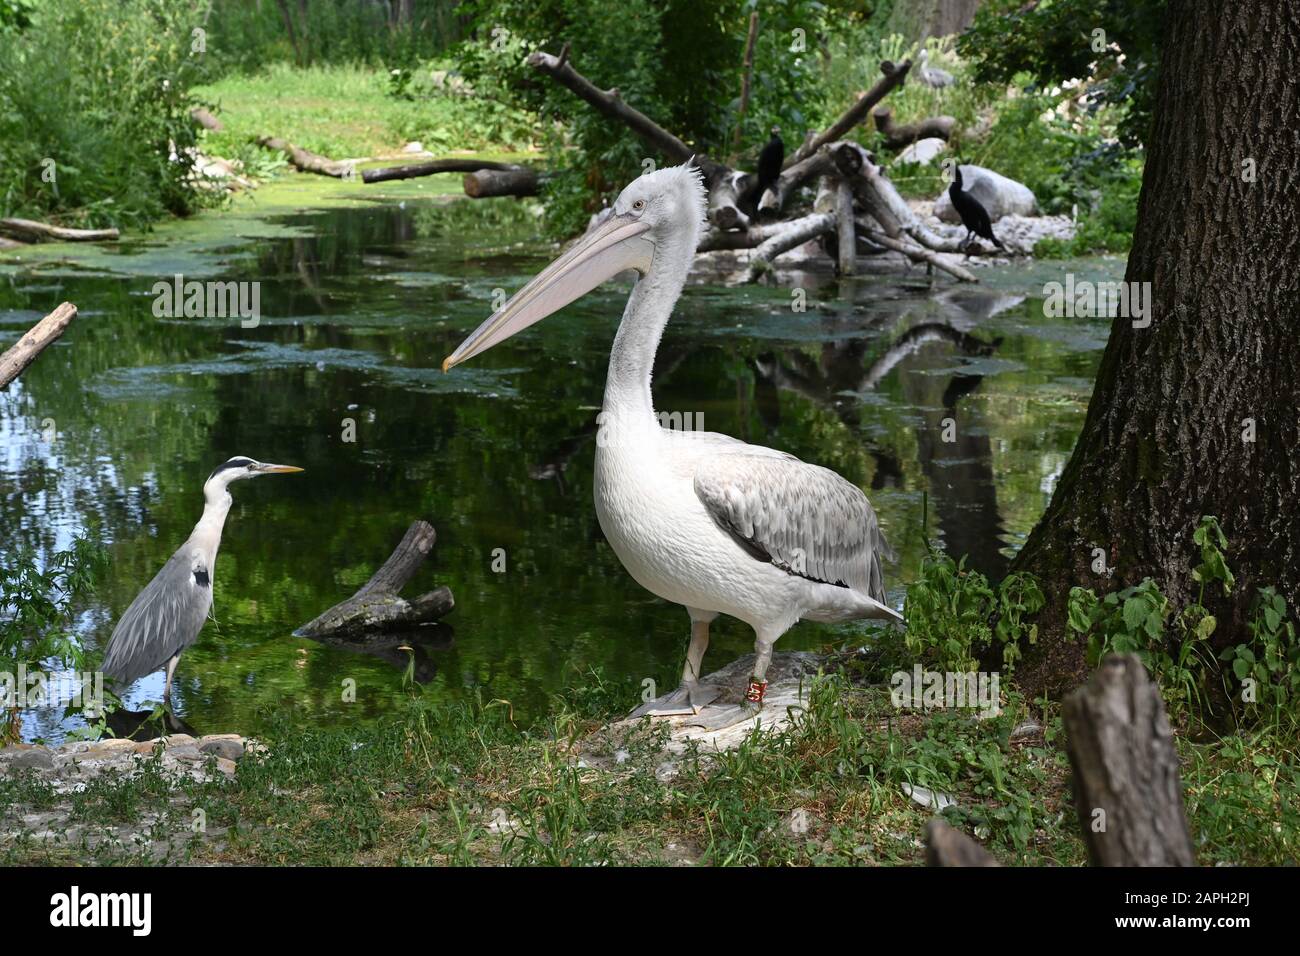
(359, 306)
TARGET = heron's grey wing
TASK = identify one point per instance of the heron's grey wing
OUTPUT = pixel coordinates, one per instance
(805, 519)
(164, 619)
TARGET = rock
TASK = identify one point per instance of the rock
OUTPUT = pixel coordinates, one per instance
(186, 752)
(226, 766)
(1030, 728)
(930, 799)
(230, 750)
(998, 194)
(146, 747)
(110, 745)
(177, 740)
(35, 758)
(413, 147)
(922, 151)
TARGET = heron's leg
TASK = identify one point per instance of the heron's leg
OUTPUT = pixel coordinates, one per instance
(171, 669)
(690, 695)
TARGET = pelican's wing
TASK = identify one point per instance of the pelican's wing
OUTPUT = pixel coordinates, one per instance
(805, 519)
(164, 619)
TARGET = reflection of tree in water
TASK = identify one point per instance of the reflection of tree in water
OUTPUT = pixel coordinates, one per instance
(960, 472)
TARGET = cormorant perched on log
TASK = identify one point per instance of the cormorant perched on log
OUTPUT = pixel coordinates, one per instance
(973, 214)
(770, 160)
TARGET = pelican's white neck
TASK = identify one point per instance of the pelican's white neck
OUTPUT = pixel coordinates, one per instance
(628, 398)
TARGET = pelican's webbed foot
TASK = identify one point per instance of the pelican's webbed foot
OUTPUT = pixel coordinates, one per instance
(686, 700)
(723, 717)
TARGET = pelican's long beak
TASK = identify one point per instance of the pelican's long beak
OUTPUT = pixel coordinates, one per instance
(266, 469)
(615, 246)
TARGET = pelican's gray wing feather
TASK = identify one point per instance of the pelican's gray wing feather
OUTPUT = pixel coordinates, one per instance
(805, 519)
(164, 619)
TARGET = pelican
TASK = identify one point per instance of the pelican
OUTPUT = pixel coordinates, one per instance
(167, 616)
(699, 519)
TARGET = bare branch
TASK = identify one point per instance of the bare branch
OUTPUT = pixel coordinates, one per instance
(25, 350)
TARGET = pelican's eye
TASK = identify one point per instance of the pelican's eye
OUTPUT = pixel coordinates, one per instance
(638, 205)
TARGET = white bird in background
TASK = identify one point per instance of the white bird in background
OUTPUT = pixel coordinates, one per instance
(698, 518)
(931, 76)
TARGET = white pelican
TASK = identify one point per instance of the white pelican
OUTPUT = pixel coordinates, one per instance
(697, 518)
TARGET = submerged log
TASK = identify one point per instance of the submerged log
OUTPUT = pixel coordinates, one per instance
(431, 168)
(376, 607)
(899, 136)
(23, 352)
(511, 181)
(306, 160)
(29, 230)
(1127, 788)
(917, 254)
(795, 233)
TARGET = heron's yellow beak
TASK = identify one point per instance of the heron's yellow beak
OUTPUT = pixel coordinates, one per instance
(615, 246)
(279, 469)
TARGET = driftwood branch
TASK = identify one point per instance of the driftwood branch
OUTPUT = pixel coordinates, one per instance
(795, 233)
(747, 73)
(23, 352)
(608, 103)
(894, 74)
(945, 846)
(306, 160)
(430, 168)
(898, 136)
(917, 254)
(376, 606)
(1127, 787)
(28, 230)
(512, 181)
(205, 119)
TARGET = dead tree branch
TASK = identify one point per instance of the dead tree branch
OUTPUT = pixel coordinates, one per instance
(513, 181)
(899, 136)
(794, 233)
(431, 168)
(28, 230)
(894, 74)
(377, 606)
(306, 160)
(23, 352)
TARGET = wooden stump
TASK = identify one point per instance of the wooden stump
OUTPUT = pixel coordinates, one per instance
(945, 846)
(517, 181)
(1127, 787)
(376, 607)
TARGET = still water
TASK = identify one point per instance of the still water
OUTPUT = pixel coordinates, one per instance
(113, 431)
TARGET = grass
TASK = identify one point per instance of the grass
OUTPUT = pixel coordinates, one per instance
(347, 112)
(463, 785)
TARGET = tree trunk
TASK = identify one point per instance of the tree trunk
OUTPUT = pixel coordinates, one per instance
(1199, 412)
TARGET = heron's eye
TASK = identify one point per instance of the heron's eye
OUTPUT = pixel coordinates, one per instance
(639, 205)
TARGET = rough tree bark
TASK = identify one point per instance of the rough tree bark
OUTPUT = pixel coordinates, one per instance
(431, 168)
(515, 181)
(1199, 412)
(29, 230)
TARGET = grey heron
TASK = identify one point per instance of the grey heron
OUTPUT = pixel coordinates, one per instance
(699, 519)
(167, 616)
(932, 77)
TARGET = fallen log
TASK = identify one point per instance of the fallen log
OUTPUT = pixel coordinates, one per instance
(23, 352)
(29, 230)
(512, 181)
(918, 254)
(376, 606)
(1127, 788)
(206, 119)
(945, 846)
(847, 234)
(306, 160)
(795, 233)
(431, 168)
(900, 136)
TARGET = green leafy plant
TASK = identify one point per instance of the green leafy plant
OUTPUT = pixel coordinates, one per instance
(1267, 666)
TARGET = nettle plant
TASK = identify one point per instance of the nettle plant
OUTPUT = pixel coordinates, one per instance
(1175, 647)
(954, 615)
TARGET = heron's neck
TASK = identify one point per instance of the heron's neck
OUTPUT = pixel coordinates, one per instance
(631, 360)
(216, 505)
